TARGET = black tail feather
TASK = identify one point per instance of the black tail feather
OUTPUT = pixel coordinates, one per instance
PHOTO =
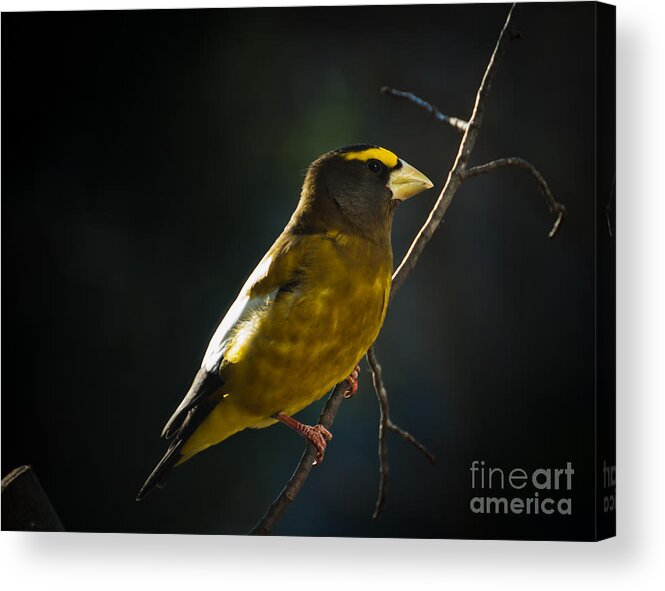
(161, 472)
(194, 417)
(202, 387)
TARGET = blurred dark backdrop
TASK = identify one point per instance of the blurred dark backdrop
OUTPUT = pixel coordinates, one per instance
(149, 159)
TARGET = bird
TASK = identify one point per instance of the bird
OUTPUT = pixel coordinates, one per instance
(308, 312)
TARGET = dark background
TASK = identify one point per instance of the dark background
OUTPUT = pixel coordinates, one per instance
(148, 161)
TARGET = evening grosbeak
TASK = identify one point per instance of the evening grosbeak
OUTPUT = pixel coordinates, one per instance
(307, 314)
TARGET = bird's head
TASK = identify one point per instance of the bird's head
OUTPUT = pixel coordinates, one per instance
(357, 188)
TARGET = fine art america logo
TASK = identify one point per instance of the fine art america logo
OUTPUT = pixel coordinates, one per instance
(543, 491)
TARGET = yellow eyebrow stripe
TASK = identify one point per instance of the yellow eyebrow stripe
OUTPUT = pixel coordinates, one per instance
(385, 156)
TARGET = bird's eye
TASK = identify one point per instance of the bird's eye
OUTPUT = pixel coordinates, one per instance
(375, 166)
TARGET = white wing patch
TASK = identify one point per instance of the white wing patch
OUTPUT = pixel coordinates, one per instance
(239, 310)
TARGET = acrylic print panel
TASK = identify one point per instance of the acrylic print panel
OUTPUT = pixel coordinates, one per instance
(151, 159)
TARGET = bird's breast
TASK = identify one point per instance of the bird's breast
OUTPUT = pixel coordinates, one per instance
(314, 334)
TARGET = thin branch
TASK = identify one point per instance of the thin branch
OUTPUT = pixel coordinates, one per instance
(385, 425)
(455, 176)
(382, 395)
(555, 207)
(458, 124)
(404, 434)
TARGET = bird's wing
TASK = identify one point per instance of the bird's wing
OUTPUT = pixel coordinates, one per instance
(278, 270)
(249, 299)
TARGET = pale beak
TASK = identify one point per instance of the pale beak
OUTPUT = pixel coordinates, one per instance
(407, 181)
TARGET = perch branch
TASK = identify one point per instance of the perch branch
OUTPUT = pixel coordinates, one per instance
(458, 124)
(456, 176)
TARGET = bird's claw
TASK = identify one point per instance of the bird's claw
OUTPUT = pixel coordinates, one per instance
(352, 382)
(319, 436)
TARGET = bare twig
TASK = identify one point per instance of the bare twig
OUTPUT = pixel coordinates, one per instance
(385, 425)
(431, 458)
(455, 179)
(382, 395)
(458, 124)
(555, 207)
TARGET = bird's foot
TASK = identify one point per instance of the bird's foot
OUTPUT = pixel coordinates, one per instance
(317, 435)
(352, 380)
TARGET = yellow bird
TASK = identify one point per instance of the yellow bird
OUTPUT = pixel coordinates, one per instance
(308, 312)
